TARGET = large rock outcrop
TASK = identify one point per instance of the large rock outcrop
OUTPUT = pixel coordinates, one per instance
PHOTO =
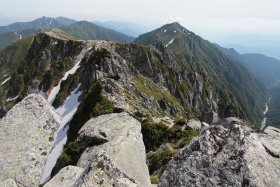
(101, 171)
(229, 155)
(119, 135)
(26, 138)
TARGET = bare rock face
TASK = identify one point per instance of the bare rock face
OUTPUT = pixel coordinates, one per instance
(26, 138)
(119, 135)
(8, 183)
(67, 176)
(101, 171)
(228, 155)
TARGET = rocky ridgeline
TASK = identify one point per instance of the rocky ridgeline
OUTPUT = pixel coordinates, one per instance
(131, 75)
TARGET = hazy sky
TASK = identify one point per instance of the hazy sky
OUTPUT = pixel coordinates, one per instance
(213, 19)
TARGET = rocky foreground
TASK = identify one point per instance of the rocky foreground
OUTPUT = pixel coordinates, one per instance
(227, 153)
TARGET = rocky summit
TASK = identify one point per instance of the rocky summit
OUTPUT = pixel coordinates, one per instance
(227, 155)
(26, 138)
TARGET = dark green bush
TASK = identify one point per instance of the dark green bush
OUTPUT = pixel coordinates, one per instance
(156, 134)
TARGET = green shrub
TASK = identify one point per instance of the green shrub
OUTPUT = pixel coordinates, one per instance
(16, 84)
(160, 158)
(154, 179)
(180, 121)
(156, 134)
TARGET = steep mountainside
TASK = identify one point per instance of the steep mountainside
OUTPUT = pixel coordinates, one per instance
(89, 31)
(266, 69)
(7, 38)
(12, 56)
(233, 77)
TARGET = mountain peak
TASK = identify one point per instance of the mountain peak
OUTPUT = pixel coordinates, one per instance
(170, 35)
(176, 26)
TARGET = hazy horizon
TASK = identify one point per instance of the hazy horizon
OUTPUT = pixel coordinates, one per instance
(252, 24)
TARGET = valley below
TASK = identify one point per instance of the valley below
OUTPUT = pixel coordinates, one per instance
(274, 108)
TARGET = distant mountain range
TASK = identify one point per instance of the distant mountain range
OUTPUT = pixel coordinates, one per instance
(266, 69)
(38, 24)
(82, 29)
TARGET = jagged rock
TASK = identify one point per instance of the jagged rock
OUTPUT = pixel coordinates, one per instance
(125, 146)
(101, 171)
(222, 156)
(8, 183)
(270, 141)
(67, 176)
(195, 125)
(26, 138)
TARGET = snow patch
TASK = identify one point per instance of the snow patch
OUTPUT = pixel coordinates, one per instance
(169, 43)
(56, 89)
(20, 36)
(41, 92)
(174, 31)
(164, 30)
(12, 98)
(5, 80)
(265, 118)
(66, 111)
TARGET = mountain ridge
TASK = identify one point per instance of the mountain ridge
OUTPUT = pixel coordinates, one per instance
(192, 49)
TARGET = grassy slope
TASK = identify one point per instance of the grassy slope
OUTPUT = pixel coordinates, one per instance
(11, 57)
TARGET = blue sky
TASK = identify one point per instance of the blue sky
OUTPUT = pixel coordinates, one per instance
(219, 21)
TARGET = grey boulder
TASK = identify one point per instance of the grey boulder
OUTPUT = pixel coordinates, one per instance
(26, 138)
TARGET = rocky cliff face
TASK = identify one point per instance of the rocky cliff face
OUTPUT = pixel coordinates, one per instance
(26, 138)
(228, 154)
(132, 75)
